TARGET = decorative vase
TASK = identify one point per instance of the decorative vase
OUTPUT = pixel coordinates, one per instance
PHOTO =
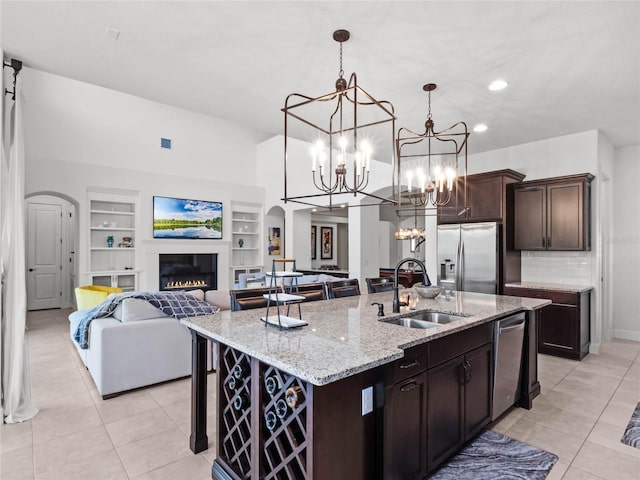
(241, 243)
(109, 241)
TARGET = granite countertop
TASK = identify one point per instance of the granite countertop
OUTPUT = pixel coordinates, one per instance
(559, 287)
(344, 336)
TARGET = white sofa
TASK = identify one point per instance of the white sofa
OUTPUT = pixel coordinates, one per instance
(138, 345)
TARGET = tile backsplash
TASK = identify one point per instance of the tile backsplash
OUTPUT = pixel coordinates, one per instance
(557, 267)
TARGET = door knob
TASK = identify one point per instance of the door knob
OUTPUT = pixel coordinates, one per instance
(31, 269)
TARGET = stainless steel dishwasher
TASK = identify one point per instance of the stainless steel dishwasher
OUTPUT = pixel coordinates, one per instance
(508, 340)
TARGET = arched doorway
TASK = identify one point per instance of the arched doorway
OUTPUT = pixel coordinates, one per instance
(51, 239)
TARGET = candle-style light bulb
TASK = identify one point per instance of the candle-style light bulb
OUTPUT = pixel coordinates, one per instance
(451, 175)
(409, 178)
(366, 153)
(342, 142)
(437, 172)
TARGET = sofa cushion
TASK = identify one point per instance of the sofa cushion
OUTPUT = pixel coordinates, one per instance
(198, 294)
(136, 309)
(218, 298)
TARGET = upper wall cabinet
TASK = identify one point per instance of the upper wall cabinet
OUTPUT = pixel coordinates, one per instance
(486, 198)
(553, 213)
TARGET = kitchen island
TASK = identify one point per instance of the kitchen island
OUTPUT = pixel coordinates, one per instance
(349, 395)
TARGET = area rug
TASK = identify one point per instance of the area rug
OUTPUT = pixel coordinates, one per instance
(493, 456)
(632, 432)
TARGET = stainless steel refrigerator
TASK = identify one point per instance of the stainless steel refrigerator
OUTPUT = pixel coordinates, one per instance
(468, 257)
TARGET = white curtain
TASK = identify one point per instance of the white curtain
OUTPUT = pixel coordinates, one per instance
(16, 384)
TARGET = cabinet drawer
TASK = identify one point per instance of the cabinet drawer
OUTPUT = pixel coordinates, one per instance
(566, 298)
(446, 348)
(413, 363)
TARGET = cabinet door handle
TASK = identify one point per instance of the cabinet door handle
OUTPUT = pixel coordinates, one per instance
(411, 364)
(408, 387)
(544, 242)
(548, 242)
(467, 371)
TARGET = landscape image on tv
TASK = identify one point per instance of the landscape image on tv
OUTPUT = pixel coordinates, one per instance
(181, 218)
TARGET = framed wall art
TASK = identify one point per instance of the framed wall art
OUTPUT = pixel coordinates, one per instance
(274, 241)
(326, 233)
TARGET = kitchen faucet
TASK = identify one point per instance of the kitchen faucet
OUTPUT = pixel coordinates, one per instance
(425, 280)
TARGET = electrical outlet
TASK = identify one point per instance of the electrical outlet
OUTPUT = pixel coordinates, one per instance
(165, 143)
(367, 400)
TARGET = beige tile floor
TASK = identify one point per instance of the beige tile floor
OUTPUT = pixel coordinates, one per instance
(580, 416)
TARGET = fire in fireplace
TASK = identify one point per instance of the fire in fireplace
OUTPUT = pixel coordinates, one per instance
(187, 271)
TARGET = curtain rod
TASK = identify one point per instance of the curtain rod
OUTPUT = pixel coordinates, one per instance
(17, 66)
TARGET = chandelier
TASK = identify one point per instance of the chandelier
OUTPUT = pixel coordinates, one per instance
(344, 129)
(429, 165)
(416, 235)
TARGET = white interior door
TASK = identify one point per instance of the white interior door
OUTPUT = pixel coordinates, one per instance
(44, 255)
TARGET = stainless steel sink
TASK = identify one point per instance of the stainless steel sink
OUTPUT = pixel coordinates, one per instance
(410, 322)
(435, 317)
(424, 319)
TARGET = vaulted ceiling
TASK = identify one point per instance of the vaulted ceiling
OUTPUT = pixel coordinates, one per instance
(571, 66)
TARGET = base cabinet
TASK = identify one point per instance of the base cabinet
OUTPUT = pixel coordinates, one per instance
(126, 280)
(406, 424)
(444, 403)
(458, 402)
(564, 326)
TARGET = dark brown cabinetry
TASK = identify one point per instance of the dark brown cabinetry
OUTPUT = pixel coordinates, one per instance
(405, 416)
(459, 390)
(563, 326)
(553, 213)
(437, 397)
(486, 198)
(406, 423)
(490, 199)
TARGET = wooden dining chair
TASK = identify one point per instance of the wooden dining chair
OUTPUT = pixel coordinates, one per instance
(343, 288)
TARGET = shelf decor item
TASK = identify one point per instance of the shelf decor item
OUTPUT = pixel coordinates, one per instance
(110, 241)
(183, 218)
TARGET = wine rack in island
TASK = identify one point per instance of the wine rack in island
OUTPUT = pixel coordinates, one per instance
(265, 421)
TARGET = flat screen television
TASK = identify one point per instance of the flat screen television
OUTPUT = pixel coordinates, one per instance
(183, 218)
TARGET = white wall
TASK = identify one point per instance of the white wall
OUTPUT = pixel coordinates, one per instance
(80, 136)
(626, 242)
(78, 122)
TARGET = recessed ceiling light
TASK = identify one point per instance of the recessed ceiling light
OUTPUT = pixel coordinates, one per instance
(344, 205)
(481, 127)
(314, 210)
(498, 85)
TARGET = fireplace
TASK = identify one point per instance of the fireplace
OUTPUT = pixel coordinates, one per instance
(188, 271)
